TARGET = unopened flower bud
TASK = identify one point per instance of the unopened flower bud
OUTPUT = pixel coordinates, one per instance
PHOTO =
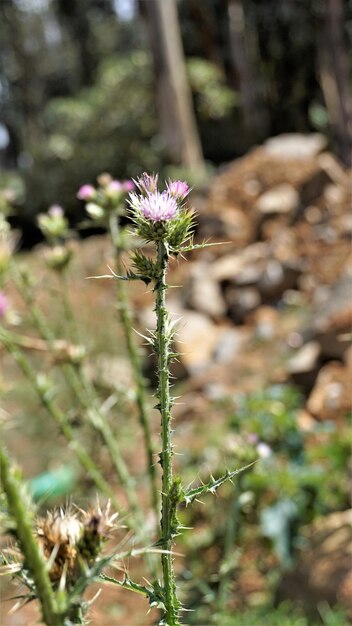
(86, 192)
(104, 179)
(95, 211)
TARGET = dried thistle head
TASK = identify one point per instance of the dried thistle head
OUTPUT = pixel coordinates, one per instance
(58, 534)
(98, 525)
(72, 537)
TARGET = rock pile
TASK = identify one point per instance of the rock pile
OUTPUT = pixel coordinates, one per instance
(283, 276)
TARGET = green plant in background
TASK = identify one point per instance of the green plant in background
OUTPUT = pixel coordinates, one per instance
(301, 474)
(106, 206)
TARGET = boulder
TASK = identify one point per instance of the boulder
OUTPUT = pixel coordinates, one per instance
(332, 317)
(202, 292)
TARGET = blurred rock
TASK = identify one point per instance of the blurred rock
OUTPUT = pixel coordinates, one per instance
(295, 146)
(332, 317)
(196, 340)
(241, 301)
(202, 293)
(303, 366)
(330, 164)
(265, 319)
(242, 268)
(280, 199)
(313, 186)
(323, 572)
(276, 278)
(231, 223)
(330, 398)
(229, 345)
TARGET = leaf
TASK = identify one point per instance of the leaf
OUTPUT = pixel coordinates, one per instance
(213, 484)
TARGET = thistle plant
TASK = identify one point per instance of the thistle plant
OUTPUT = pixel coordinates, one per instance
(164, 219)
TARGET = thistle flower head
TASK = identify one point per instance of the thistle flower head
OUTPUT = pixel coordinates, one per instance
(53, 224)
(58, 257)
(58, 534)
(178, 189)
(56, 211)
(128, 185)
(86, 192)
(156, 206)
(67, 537)
(147, 183)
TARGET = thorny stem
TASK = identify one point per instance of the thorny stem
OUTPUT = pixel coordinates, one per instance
(126, 321)
(163, 340)
(30, 549)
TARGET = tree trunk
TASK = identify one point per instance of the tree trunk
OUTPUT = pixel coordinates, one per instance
(334, 78)
(242, 51)
(174, 99)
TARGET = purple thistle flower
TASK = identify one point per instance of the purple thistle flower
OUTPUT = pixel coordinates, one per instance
(114, 186)
(56, 210)
(147, 183)
(4, 304)
(86, 192)
(178, 189)
(128, 185)
(158, 207)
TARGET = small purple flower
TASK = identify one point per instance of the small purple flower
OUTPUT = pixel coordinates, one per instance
(56, 210)
(86, 192)
(178, 189)
(4, 304)
(128, 185)
(158, 207)
(114, 187)
(147, 183)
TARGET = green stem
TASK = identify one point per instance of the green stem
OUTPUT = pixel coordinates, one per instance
(126, 321)
(69, 314)
(35, 563)
(163, 340)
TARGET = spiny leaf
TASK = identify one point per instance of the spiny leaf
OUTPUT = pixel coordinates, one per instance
(212, 485)
(199, 246)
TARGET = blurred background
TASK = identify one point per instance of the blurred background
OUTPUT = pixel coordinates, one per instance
(249, 101)
(127, 85)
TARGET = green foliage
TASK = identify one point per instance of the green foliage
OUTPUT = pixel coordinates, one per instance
(213, 98)
(109, 126)
(284, 615)
(302, 474)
